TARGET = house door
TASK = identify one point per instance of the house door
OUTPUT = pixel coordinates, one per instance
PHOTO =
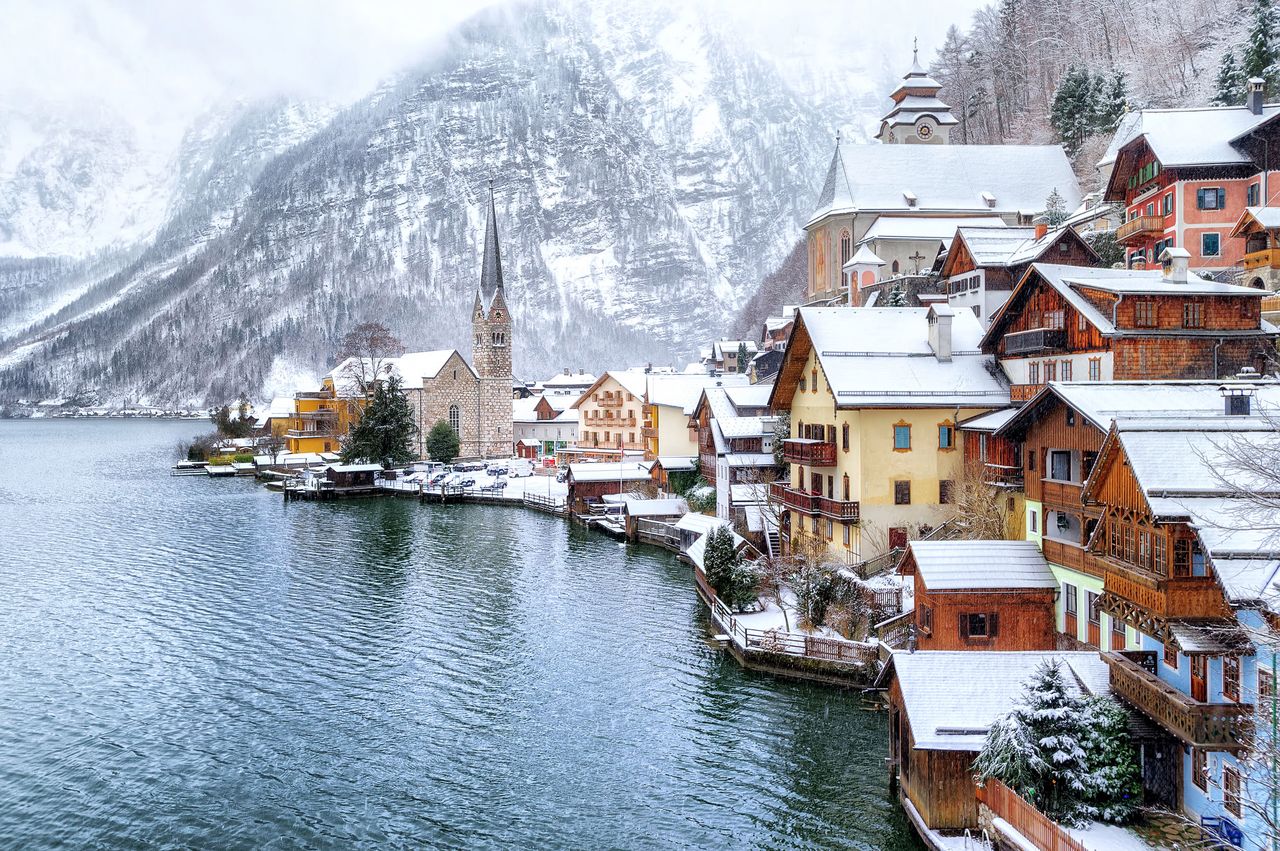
(897, 538)
(1199, 680)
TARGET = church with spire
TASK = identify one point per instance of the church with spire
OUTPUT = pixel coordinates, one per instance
(491, 347)
(918, 116)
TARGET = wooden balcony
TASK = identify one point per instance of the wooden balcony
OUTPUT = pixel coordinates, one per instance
(1067, 554)
(313, 394)
(1034, 340)
(1217, 726)
(1140, 228)
(812, 503)
(811, 453)
(1162, 596)
(1002, 475)
(321, 415)
(608, 401)
(1023, 392)
(1055, 493)
(1268, 258)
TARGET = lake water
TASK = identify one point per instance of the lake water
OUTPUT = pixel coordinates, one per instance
(188, 662)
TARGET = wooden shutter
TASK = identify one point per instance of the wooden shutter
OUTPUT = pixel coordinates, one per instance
(964, 626)
(993, 624)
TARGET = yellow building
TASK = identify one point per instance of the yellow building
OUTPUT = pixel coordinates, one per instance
(670, 400)
(611, 412)
(874, 395)
(319, 418)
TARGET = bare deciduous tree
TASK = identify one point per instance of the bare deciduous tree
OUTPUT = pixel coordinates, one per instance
(367, 351)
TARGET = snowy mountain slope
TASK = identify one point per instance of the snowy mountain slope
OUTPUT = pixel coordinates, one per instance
(648, 170)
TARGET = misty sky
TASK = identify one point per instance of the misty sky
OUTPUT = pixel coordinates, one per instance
(173, 58)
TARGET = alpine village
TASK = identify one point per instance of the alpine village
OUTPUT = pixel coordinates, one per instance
(1008, 472)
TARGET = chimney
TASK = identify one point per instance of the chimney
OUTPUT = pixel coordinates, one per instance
(1042, 228)
(1253, 94)
(1174, 259)
(940, 316)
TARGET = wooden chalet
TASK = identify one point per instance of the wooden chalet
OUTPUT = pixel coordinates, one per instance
(941, 706)
(983, 264)
(589, 482)
(1259, 227)
(1183, 176)
(1070, 323)
(981, 595)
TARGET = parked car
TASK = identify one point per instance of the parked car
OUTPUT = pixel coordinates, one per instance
(562, 476)
(519, 469)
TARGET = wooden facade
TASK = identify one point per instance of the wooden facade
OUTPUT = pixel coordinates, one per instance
(938, 783)
(1014, 619)
(1069, 249)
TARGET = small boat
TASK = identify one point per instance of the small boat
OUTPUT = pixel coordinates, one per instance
(188, 468)
(219, 470)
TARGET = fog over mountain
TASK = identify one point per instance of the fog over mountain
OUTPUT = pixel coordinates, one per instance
(198, 206)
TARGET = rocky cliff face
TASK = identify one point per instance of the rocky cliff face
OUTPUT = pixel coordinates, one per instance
(648, 169)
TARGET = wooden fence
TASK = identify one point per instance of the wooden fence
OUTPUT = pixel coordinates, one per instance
(1042, 831)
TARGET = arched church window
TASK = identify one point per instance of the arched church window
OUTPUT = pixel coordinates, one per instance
(895, 267)
(846, 247)
(455, 421)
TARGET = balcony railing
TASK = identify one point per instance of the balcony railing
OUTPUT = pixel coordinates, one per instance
(313, 394)
(648, 432)
(1268, 258)
(813, 453)
(1141, 227)
(1034, 340)
(318, 415)
(297, 433)
(812, 503)
(1067, 554)
(1218, 726)
(1057, 493)
(1165, 597)
(1002, 475)
(1023, 392)
(609, 401)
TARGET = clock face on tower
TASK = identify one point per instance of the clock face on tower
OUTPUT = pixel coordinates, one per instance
(924, 131)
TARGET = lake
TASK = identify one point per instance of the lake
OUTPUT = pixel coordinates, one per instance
(187, 662)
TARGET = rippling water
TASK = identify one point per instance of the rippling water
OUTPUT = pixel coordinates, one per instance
(192, 663)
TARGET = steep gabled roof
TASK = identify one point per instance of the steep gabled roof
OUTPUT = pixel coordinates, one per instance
(980, 565)
(881, 357)
(1200, 136)
(944, 179)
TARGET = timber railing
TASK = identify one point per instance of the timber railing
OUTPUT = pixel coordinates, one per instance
(552, 504)
(657, 532)
(758, 641)
(895, 631)
(1040, 830)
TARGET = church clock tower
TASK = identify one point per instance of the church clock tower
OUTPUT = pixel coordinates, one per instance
(491, 348)
(918, 117)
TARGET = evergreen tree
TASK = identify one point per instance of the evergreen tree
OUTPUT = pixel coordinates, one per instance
(1111, 102)
(1261, 56)
(1115, 776)
(1229, 86)
(1073, 109)
(442, 443)
(1037, 747)
(742, 356)
(897, 296)
(385, 430)
(719, 560)
(1055, 209)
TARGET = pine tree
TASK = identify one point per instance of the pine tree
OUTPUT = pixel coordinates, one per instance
(719, 560)
(1115, 775)
(1055, 209)
(1262, 51)
(1038, 747)
(897, 296)
(1229, 86)
(1073, 109)
(386, 428)
(1111, 101)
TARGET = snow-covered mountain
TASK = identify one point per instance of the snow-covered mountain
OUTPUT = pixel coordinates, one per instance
(649, 169)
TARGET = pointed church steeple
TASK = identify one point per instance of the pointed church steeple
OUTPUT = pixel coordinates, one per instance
(491, 270)
(917, 115)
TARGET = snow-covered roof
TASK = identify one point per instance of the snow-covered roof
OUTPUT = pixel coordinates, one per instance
(953, 697)
(608, 471)
(701, 523)
(749, 396)
(1190, 137)
(574, 379)
(354, 468)
(683, 391)
(881, 357)
(720, 347)
(413, 368)
(744, 494)
(1265, 217)
(673, 463)
(981, 565)
(930, 228)
(864, 256)
(656, 507)
(945, 179)
(916, 105)
(988, 422)
(750, 460)
(1250, 580)
(725, 421)
(1100, 403)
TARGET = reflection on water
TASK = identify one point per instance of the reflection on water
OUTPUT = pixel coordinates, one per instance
(186, 662)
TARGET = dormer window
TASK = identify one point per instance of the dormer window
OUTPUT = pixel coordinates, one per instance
(910, 197)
